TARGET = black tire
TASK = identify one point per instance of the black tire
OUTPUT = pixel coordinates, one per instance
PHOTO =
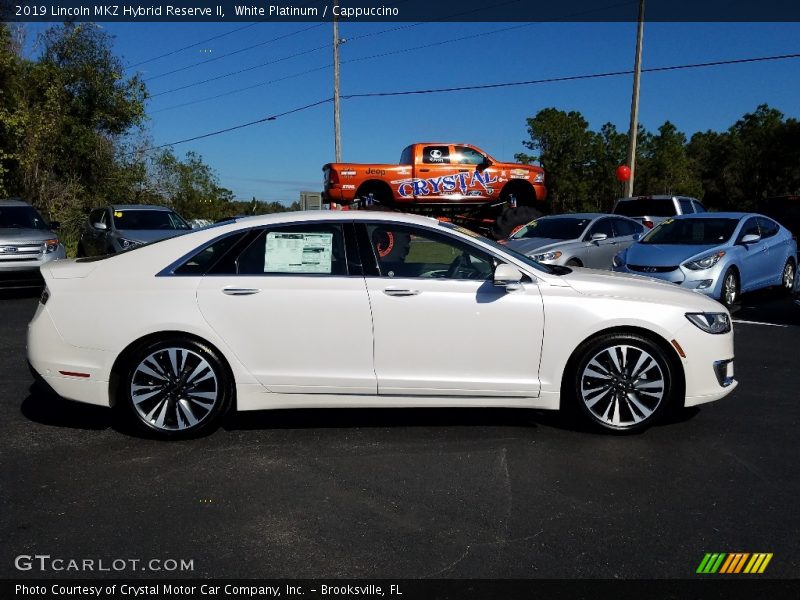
(729, 293)
(81, 251)
(788, 276)
(512, 218)
(622, 396)
(376, 196)
(195, 386)
(574, 262)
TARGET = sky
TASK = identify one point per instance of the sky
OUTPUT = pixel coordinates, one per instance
(275, 160)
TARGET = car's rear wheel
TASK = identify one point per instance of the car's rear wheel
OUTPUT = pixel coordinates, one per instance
(787, 279)
(176, 388)
(622, 382)
(730, 288)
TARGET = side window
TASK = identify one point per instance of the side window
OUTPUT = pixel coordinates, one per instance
(315, 249)
(750, 227)
(96, 215)
(207, 258)
(698, 208)
(436, 155)
(467, 156)
(602, 226)
(623, 227)
(407, 156)
(768, 228)
(409, 252)
(686, 206)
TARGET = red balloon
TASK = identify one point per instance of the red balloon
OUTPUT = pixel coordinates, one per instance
(623, 173)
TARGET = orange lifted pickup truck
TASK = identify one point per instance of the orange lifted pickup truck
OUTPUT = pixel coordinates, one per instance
(455, 182)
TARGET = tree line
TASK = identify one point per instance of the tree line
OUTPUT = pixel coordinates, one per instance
(757, 157)
(72, 135)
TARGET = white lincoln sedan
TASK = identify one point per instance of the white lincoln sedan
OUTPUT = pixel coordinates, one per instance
(378, 309)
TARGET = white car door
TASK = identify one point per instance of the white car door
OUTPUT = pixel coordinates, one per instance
(288, 309)
(441, 327)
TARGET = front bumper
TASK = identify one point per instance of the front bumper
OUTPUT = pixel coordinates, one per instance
(18, 274)
(707, 282)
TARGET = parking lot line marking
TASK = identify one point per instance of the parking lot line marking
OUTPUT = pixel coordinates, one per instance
(758, 323)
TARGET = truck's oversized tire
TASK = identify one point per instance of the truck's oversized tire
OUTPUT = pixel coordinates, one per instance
(511, 218)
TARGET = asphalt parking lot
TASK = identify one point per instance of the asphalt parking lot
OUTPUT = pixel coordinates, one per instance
(412, 493)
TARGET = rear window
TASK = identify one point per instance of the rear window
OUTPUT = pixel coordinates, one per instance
(645, 207)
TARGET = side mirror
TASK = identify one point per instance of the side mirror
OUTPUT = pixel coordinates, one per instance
(637, 237)
(751, 238)
(508, 276)
(55, 225)
(599, 237)
(100, 226)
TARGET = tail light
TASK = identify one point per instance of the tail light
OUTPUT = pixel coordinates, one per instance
(333, 177)
(648, 224)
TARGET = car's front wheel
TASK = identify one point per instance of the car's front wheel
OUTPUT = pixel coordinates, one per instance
(730, 288)
(176, 388)
(623, 382)
(787, 278)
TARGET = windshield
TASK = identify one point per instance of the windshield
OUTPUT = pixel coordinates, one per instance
(697, 232)
(505, 249)
(645, 207)
(560, 228)
(148, 219)
(21, 217)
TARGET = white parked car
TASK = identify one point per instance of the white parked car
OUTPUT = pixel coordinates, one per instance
(349, 309)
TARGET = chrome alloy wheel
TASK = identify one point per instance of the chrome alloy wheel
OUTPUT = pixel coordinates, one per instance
(730, 289)
(788, 276)
(622, 386)
(174, 389)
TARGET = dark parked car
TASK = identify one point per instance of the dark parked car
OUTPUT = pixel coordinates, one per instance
(652, 210)
(124, 226)
(27, 242)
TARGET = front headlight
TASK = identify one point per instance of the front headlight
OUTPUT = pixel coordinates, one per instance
(128, 244)
(555, 255)
(50, 246)
(711, 322)
(706, 262)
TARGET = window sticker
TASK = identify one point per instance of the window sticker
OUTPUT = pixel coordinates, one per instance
(117, 214)
(298, 253)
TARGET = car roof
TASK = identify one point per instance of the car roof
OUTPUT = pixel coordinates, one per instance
(717, 215)
(656, 197)
(13, 202)
(334, 215)
(584, 215)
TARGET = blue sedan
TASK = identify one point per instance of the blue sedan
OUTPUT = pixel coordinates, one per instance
(717, 254)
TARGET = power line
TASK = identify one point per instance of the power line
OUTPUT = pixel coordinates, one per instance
(222, 56)
(173, 52)
(372, 56)
(489, 86)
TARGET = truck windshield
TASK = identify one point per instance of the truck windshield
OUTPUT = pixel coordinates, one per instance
(559, 228)
(697, 232)
(645, 207)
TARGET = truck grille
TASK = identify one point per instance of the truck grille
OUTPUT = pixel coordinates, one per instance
(21, 251)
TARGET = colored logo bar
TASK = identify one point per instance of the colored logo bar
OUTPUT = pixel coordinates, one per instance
(734, 563)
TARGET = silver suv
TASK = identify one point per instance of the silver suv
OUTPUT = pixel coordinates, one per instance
(652, 210)
(27, 242)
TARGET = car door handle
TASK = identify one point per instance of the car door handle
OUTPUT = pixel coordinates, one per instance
(233, 291)
(424, 170)
(463, 170)
(396, 292)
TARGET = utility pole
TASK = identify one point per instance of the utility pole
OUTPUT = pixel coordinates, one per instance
(634, 130)
(337, 133)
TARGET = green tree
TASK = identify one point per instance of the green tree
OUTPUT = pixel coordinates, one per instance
(564, 147)
(666, 166)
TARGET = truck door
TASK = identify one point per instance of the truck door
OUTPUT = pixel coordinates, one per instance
(434, 175)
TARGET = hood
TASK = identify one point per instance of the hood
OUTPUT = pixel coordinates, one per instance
(150, 235)
(664, 255)
(531, 245)
(592, 282)
(15, 234)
